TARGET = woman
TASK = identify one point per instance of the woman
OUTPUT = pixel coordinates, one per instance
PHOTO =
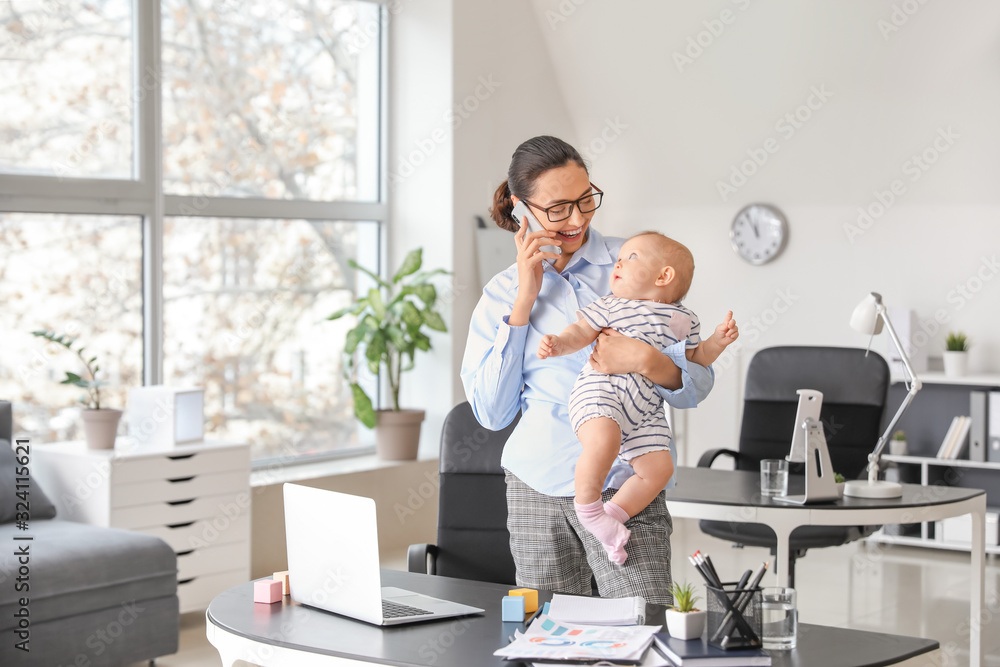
(502, 375)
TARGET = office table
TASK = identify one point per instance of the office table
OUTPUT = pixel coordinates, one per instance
(287, 633)
(728, 495)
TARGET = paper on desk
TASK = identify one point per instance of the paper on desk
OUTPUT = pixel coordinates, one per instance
(597, 611)
(547, 639)
(653, 658)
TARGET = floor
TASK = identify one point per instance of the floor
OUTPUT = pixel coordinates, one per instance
(898, 590)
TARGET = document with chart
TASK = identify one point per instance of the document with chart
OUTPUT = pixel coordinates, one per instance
(547, 639)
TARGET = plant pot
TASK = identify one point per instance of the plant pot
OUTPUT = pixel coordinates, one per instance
(840, 488)
(397, 434)
(956, 364)
(101, 427)
(685, 625)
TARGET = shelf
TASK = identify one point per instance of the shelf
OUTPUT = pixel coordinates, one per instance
(934, 461)
(903, 540)
(983, 380)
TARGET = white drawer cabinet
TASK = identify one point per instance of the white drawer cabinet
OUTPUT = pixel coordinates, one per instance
(195, 497)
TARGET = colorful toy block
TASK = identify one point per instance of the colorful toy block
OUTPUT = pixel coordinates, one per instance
(267, 591)
(512, 608)
(530, 596)
(283, 578)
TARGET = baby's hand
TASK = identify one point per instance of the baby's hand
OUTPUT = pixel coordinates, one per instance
(727, 332)
(550, 346)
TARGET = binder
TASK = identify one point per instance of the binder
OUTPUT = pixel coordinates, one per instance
(993, 419)
(978, 432)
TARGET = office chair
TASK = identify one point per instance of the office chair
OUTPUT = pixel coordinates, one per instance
(472, 537)
(854, 390)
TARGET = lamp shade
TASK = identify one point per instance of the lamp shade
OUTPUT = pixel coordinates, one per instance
(865, 317)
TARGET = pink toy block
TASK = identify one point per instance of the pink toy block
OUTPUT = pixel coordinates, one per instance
(267, 591)
(283, 578)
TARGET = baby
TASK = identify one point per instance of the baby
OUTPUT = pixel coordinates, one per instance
(622, 415)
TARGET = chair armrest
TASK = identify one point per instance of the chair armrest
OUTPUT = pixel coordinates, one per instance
(708, 458)
(422, 558)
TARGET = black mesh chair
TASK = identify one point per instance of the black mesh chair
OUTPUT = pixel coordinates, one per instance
(854, 390)
(472, 537)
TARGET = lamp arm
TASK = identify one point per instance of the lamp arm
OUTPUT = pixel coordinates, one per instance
(915, 386)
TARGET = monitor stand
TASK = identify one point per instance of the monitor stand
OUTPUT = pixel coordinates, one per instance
(820, 484)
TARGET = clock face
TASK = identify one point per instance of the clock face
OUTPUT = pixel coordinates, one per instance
(759, 233)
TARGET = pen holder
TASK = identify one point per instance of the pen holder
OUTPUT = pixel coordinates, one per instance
(734, 616)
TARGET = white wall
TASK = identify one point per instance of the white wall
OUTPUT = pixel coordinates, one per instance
(670, 134)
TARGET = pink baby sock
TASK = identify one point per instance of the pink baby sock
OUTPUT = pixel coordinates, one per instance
(611, 532)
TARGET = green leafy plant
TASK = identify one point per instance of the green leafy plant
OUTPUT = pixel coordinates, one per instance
(838, 478)
(684, 597)
(899, 435)
(957, 342)
(92, 385)
(391, 318)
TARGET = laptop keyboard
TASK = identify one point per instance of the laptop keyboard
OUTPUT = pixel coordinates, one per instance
(396, 610)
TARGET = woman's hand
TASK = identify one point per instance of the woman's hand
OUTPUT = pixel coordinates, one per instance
(617, 354)
(529, 269)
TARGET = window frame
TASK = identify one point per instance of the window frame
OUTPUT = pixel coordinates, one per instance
(143, 195)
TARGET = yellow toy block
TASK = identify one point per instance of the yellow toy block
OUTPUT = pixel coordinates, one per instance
(530, 596)
(283, 578)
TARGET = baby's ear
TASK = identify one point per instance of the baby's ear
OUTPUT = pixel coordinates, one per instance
(666, 276)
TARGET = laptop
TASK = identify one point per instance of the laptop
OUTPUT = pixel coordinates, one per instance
(333, 561)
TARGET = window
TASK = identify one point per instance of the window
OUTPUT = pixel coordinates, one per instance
(209, 248)
(79, 275)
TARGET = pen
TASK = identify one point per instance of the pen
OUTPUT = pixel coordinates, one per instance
(711, 575)
(711, 567)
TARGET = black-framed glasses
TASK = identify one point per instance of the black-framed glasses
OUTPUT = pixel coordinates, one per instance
(563, 210)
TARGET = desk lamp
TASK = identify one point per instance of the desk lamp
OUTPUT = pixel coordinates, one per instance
(868, 318)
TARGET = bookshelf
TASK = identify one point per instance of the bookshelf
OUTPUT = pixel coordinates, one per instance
(932, 470)
(926, 423)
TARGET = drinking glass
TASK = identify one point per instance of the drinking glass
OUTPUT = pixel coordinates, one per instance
(774, 477)
(780, 620)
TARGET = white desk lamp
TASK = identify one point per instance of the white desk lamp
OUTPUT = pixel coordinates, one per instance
(868, 318)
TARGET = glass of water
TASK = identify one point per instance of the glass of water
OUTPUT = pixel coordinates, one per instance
(780, 621)
(774, 477)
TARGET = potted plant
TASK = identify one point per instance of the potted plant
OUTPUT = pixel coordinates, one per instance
(100, 425)
(840, 481)
(897, 447)
(956, 361)
(392, 319)
(684, 621)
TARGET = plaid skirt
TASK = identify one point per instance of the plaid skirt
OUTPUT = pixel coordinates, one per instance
(553, 552)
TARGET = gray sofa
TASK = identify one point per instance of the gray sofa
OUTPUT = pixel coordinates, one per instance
(95, 596)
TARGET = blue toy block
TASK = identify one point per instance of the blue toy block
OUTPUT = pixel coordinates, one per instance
(512, 608)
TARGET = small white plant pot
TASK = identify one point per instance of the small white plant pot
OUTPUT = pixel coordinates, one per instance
(685, 625)
(897, 447)
(956, 364)
(101, 427)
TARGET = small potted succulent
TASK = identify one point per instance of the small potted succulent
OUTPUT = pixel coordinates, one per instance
(956, 357)
(684, 620)
(100, 424)
(840, 481)
(392, 322)
(897, 447)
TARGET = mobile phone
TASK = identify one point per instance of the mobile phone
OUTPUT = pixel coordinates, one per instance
(520, 212)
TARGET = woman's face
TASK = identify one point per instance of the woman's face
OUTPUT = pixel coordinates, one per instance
(558, 186)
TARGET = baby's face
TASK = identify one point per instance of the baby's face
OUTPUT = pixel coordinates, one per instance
(640, 263)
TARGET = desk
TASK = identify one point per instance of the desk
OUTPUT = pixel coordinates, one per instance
(727, 495)
(287, 633)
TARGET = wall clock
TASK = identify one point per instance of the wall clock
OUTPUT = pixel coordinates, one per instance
(759, 233)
